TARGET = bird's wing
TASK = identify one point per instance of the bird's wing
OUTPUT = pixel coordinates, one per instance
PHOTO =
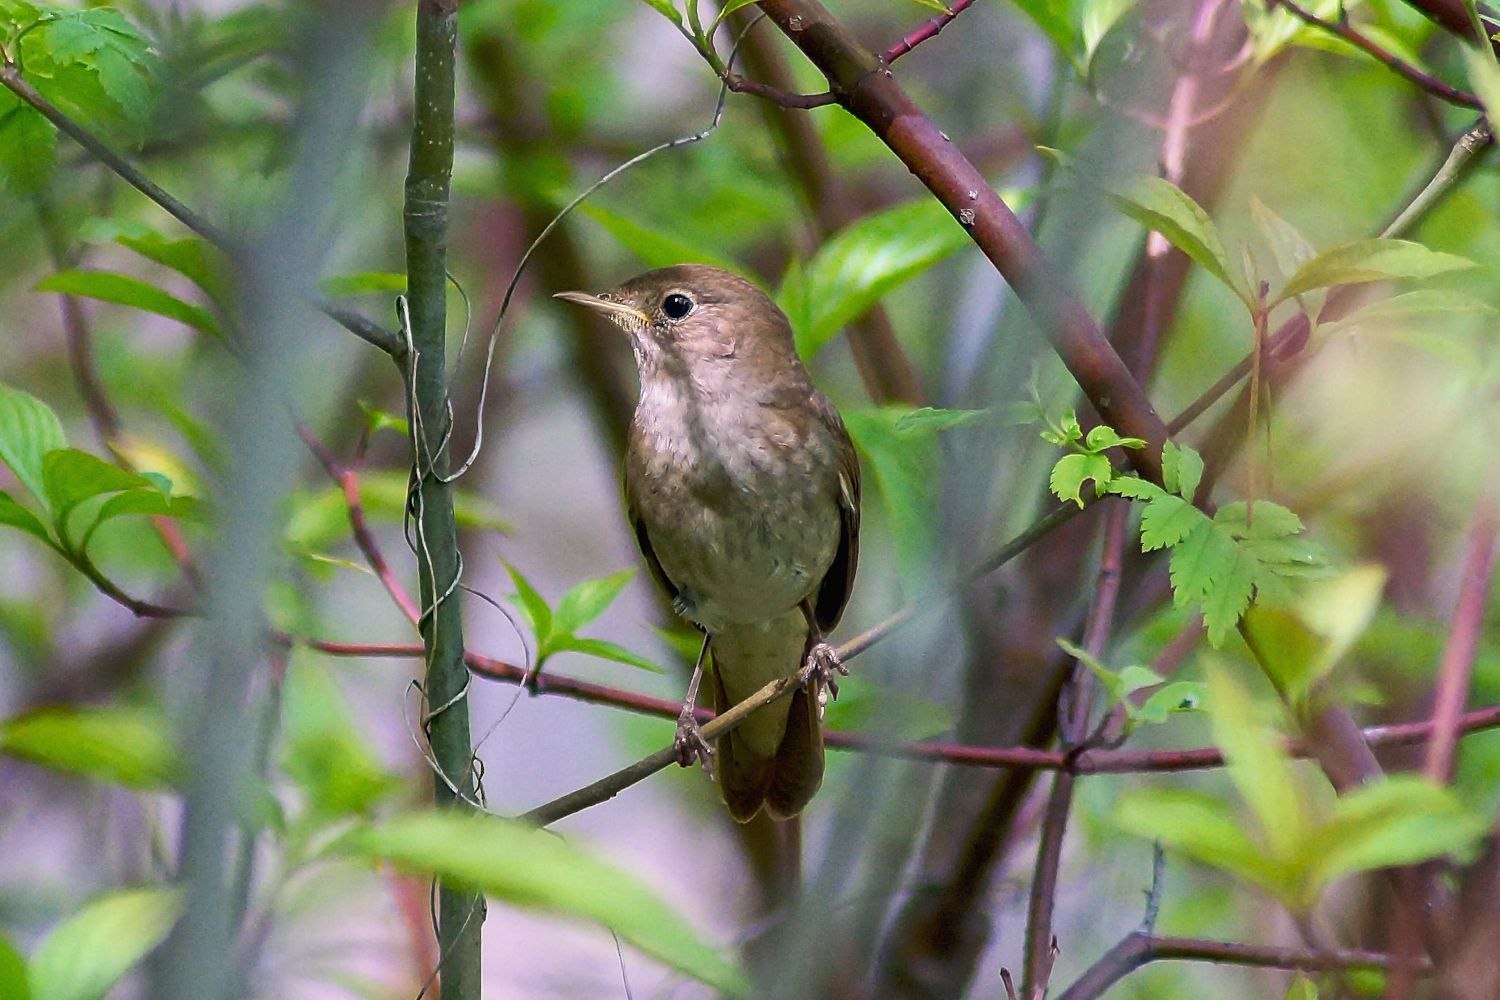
(644, 541)
(838, 582)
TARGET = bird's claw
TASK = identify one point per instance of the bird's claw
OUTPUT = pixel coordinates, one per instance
(823, 665)
(689, 743)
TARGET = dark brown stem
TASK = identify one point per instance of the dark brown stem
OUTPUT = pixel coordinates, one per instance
(1137, 949)
(1425, 80)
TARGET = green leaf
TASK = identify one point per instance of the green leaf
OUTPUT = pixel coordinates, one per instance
(863, 262)
(340, 286)
(1054, 17)
(124, 290)
(28, 147)
(123, 746)
(1171, 699)
(601, 648)
(377, 420)
(531, 868)
(147, 503)
(1302, 988)
(1484, 77)
(71, 476)
(1099, 17)
(1301, 643)
(587, 601)
(1162, 206)
(28, 430)
(534, 607)
(14, 515)
(1205, 829)
(89, 952)
(191, 256)
(1401, 820)
(866, 707)
(14, 982)
(1103, 437)
(1409, 309)
(666, 9)
(928, 420)
(1182, 470)
(1256, 763)
(654, 248)
(322, 517)
(323, 752)
(1289, 248)
(1072, 471)
(1370, 260)
(1168, 521)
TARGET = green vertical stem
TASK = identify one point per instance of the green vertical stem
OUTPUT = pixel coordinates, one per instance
(459, 914)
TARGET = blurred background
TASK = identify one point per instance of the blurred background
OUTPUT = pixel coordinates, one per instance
(261, 115)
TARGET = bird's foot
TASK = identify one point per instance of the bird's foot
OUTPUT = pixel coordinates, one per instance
(689, 743)
(823, 665)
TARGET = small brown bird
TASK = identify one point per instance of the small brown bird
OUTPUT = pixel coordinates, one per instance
(743, 490)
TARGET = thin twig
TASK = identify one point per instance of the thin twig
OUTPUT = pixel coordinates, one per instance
(927, 29)
(1421, 78)
(1457, 669)
(12, 80)
(1137, 949)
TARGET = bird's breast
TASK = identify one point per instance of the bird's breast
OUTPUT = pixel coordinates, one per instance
(739, 503)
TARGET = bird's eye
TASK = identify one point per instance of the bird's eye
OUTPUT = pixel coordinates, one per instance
(676, 305)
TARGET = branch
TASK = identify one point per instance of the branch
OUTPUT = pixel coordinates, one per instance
(1426, 81)
(12, 80)
(459, 912)
(868, 91)
(1137, 949)
(1457, 670)
(927, 29)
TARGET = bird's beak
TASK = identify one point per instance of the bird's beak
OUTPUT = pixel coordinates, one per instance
(626, 316)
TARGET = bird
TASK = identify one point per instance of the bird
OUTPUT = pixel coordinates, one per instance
(742, 487)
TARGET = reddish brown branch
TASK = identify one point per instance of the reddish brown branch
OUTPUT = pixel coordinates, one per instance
(1457, 670)
(1437, 88)
(1137, 949)
(927, 29)
(786, 99)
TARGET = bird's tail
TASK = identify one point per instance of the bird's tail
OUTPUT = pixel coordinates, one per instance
(775, 757)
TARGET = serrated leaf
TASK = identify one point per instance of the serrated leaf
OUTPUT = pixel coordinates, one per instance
(84, 956)
(124, 290)
(530, 868)
(1371, 260)
(1072, 471)
(1256, 763)
(1289, 248)
(341, 286)
(14, 515)
(602, 648)
(28, 431)
(652, 247)
(863, 262)
(588, 600)
(1167, 520)
(1205, 829)
(1182, 470)
(1162, 206)
(323, 752)
(123, 746)
(533, 606)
